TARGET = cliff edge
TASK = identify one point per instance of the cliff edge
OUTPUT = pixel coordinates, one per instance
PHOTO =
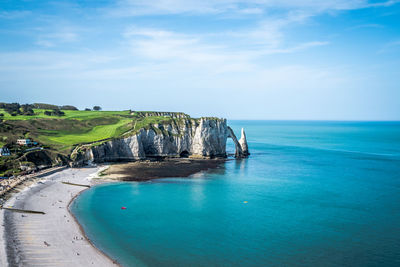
(179, 136)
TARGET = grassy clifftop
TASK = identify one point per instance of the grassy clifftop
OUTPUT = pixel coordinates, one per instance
(58, 136)
(62, 133)
(75, 127)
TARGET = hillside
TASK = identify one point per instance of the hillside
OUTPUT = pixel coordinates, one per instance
(58, 136)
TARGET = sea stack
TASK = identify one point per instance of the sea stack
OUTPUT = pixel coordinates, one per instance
(243, 144)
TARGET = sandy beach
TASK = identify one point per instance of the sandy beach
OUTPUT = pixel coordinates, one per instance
(52, 239)
(55, 238)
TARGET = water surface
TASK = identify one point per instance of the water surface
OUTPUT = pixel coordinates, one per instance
(311, 194)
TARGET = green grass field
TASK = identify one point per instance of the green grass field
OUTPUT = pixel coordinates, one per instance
(76, 127)
(62, 133)
(69, 114)
(60, 136)
(97, 133)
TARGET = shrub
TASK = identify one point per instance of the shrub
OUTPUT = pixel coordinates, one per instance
(44, 106)
(97, 108)
(12, 108)
(27, 109)
(68, 107)
(54, 112)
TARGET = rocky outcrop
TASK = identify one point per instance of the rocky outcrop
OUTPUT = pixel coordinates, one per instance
(243, 144)
(183, 137)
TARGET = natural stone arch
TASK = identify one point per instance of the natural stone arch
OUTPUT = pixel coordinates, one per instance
(238, 148)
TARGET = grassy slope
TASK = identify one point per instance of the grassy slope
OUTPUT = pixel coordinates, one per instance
(69, 114)
(62, 134)
(76, 127)
(97, 133)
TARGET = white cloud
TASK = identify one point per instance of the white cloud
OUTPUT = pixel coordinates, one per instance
(383, 4)
(236, 62)
(55, 35)
(145, 7)
(58, 36)
(389, 47)
(238, 48)
(13, 14)
(366, 26)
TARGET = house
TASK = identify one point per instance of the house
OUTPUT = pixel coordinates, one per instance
(4, 151)
(24, 142)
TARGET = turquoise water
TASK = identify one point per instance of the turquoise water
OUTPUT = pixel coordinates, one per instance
(317, 193)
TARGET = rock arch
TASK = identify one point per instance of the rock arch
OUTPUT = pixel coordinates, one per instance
(241, 148)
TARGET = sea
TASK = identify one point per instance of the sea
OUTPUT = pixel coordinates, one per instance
(312, 193)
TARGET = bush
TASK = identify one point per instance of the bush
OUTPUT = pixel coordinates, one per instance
(44, 106)
(68, 107)
(58, 112)
(12, 108)
(88, 109)
(27, 109)
(54, 112)
(97, 108)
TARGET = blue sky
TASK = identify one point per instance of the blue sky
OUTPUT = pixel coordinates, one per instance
(254, 59)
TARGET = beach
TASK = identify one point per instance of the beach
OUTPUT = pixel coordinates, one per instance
(52, 239)
(56, 238)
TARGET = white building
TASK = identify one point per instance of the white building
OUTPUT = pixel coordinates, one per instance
(4, 151)
(24, 142)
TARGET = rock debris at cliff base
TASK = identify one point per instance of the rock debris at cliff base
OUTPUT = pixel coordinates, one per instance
(146, 170)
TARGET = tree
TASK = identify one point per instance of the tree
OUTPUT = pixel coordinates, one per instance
(44, 106)
(57, 112)
(54, 112)
(97, 108)
(12, 108)
(68, 107)
(87, 109)
(27, 109)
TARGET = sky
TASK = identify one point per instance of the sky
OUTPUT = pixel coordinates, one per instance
(238, 59)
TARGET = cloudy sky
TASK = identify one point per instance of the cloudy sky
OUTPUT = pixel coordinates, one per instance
(240, 59)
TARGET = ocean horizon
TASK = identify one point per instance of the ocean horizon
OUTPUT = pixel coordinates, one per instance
(312, 193)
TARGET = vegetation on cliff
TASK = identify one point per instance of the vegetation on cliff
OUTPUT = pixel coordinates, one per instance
(58, 136)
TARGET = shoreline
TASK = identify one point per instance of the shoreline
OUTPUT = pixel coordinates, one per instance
(19, 244)
(115, 262)
(140, 171)
(55, 238)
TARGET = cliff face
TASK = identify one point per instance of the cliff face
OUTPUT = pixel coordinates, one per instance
(205, 137)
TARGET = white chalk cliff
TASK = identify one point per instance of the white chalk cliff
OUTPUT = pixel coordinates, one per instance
(204, 138)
